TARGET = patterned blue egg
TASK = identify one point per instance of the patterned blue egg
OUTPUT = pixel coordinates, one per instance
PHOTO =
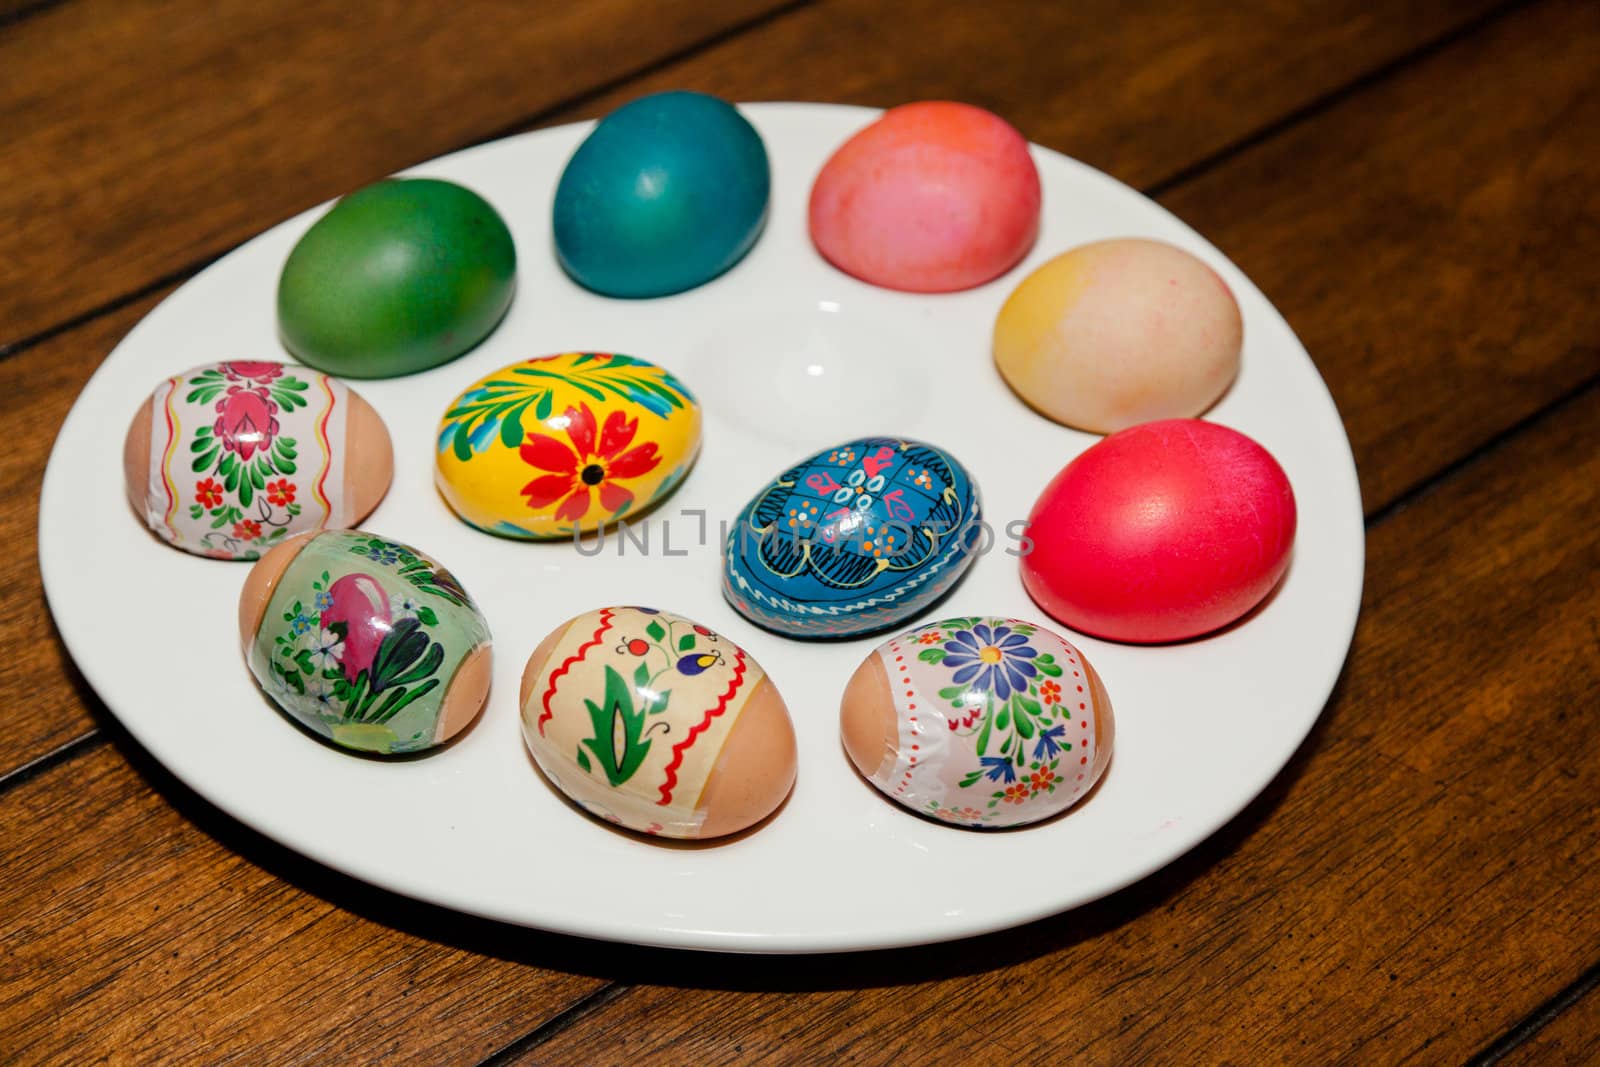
(853, 539)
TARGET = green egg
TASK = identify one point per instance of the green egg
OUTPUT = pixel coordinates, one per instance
(398, 277)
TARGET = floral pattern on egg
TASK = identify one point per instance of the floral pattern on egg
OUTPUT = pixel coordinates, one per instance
(996, 722)
(856, 538)
(566, 444)
(227, 459)
(361, 640)
(654, 722)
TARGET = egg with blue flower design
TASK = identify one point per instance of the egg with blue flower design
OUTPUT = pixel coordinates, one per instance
(856, 538)
(979, 722)
(562, 445)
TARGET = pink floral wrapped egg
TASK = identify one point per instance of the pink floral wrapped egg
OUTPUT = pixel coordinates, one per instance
(230, 459)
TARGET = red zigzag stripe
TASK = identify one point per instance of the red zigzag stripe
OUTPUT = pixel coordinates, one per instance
(567, 664)
(699, 728)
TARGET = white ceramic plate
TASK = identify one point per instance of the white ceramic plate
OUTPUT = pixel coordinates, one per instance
(787, 356)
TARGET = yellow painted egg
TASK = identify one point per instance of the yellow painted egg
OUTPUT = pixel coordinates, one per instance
(1115, 333)
(562, 445)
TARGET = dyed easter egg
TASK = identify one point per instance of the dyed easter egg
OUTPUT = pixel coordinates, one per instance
(932, 197)
(653, 722)
(665, 194)
(1161, 532)
(365, 641)
(561, 445)
(228, 459)
(1116, 333)
(398, 277)
(853, 539)
(978, 722)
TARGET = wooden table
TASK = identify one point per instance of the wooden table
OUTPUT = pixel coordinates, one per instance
(1416, 186)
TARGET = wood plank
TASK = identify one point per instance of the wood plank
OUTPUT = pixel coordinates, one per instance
(1141, 93)
(37, 389)
(145, 927)
(1571, 1038)
(144, 136)
(1423, 875)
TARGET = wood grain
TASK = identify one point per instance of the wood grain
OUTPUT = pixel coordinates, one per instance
(144, 136)
(1571, 1038)
(46, 704)
(132, 934)
(1434, 841)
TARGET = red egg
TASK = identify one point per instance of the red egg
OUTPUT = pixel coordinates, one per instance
(932, 197)
(1163, 532)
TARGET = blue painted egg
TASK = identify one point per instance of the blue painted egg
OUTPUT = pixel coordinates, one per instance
(853, 539)
(665, 194)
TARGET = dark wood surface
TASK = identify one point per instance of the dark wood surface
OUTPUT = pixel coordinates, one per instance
(1416, 186)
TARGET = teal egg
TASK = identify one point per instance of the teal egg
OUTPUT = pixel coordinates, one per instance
(665, 194)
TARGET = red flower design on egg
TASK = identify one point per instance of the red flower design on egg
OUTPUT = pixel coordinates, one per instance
(280, 492)
(246, 421)
(247, 529)
(587, 466)
(255, 370)
(208, 492)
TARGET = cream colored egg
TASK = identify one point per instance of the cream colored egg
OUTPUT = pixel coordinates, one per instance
(1115, 333)
(653, 722)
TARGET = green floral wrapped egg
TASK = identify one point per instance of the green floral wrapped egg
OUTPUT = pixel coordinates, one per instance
(365, 641)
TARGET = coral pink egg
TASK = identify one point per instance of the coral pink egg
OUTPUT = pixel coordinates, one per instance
(1162, 532)
(932, 197)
